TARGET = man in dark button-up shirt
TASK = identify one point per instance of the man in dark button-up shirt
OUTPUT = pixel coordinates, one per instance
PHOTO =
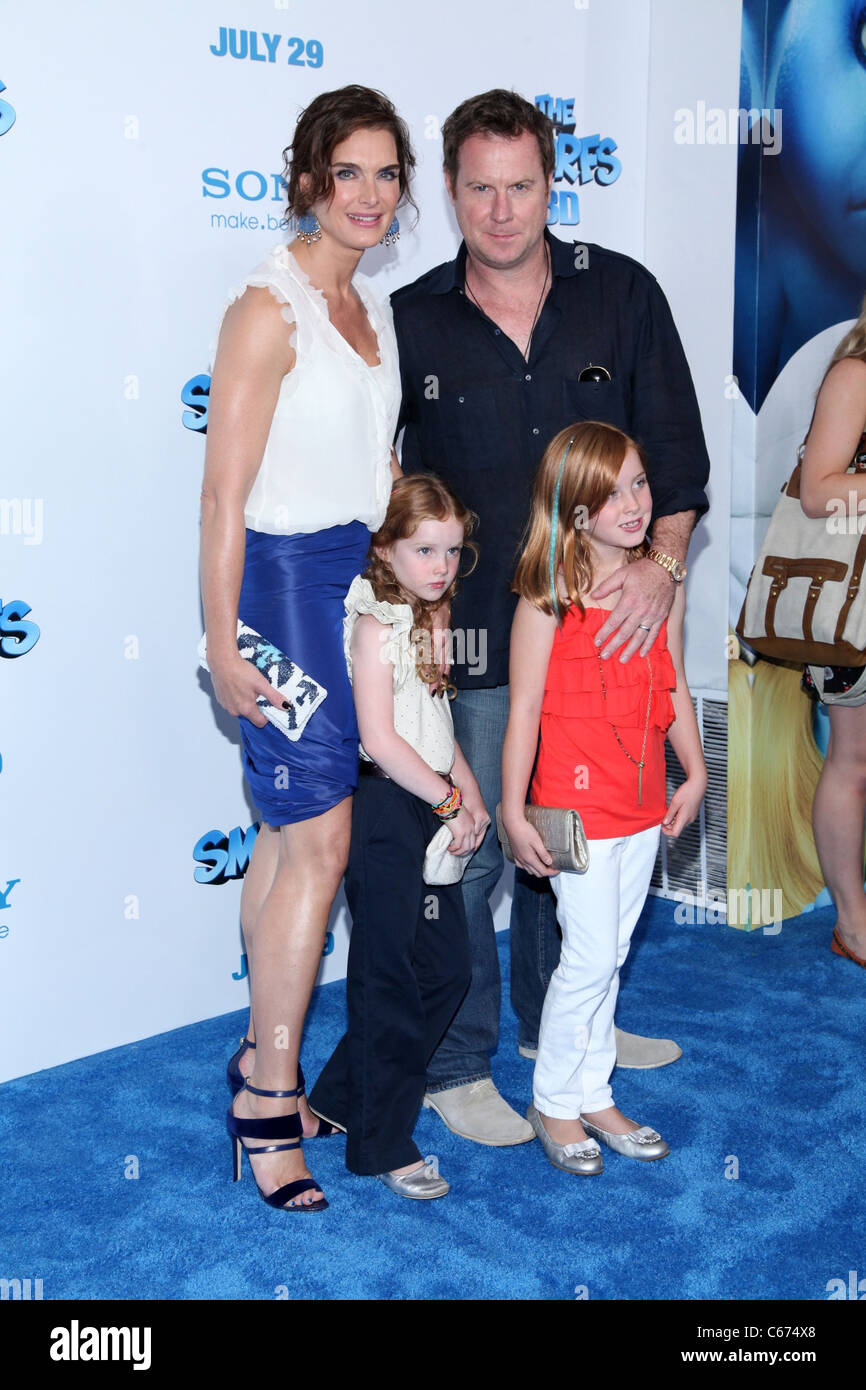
(498, 351)
(480, 415)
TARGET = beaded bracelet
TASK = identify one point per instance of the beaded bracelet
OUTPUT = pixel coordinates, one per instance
(449, 815)
(450, 805)
(446, 777)
(448, 801)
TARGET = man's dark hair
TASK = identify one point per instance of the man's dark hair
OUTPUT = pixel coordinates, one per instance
(496, 113)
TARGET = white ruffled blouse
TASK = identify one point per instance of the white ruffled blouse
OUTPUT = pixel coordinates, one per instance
(327, 460)
(422, 719)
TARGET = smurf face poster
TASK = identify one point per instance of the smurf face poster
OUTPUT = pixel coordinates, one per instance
(800, 282)
(801, 214)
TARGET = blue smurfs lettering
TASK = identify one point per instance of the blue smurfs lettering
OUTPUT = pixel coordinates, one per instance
(579, 160)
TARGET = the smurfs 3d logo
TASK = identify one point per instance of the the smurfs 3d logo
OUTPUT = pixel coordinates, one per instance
(196, 397)
(580, 159)
(222, 857)
(7, 113)
(16, 636)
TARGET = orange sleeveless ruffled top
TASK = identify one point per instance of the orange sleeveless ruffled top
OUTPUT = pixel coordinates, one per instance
(580, 765)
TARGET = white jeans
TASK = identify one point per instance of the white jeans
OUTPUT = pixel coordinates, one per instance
(597, 912)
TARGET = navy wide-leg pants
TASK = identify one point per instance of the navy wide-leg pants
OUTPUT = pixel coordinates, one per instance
(408, 970)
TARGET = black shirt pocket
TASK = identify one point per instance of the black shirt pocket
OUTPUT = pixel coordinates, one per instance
(595, 400)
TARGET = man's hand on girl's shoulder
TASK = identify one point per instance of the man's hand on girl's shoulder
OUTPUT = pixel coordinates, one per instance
(646, 596)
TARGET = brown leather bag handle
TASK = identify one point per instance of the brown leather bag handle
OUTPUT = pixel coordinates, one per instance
(780, 568)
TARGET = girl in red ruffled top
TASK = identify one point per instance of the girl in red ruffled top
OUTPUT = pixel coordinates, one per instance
(602, 728)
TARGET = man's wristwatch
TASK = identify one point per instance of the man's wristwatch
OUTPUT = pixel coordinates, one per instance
(675, 568)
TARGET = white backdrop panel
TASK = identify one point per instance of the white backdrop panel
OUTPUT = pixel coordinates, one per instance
(116, 263)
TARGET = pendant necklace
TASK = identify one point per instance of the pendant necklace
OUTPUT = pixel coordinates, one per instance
(638, 764)
(536, 316)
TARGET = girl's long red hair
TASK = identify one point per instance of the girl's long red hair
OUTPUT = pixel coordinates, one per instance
(417, 497)
(594, 454)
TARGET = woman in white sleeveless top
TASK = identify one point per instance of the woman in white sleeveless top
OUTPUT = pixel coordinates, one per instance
(303, 408)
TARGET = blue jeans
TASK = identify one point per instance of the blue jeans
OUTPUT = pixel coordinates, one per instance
(536, 941)
(480, 717)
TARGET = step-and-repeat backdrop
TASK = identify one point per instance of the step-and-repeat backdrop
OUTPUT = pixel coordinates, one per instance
(140, 163)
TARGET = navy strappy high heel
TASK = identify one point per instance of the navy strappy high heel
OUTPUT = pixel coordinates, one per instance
(235, 1079)
(285, 1128)
(234, 1075)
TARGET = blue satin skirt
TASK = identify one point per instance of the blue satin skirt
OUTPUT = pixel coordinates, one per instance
(292, 593)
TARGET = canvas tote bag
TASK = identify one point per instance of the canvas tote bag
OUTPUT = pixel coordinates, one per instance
(806, 601)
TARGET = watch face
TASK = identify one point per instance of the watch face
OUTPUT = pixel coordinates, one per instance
(678, 570)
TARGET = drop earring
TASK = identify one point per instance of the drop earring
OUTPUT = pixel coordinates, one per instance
(392, 234)
(308, 228)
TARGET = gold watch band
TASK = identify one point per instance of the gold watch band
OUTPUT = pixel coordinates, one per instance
(675, 568)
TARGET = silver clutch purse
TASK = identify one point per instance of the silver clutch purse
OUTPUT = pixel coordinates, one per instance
(562, 835)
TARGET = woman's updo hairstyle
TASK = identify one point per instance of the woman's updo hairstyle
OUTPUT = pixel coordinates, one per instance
(329, 119)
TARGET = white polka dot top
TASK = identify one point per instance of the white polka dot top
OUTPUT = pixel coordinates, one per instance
(424, 720)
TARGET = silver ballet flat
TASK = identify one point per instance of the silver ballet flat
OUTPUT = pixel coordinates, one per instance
(583, 1158)
(422, 1185)
(644, 1143)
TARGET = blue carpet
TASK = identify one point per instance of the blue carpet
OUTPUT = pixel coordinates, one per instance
(772, 1077)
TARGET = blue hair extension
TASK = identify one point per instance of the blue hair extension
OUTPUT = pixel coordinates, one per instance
(553, 526)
